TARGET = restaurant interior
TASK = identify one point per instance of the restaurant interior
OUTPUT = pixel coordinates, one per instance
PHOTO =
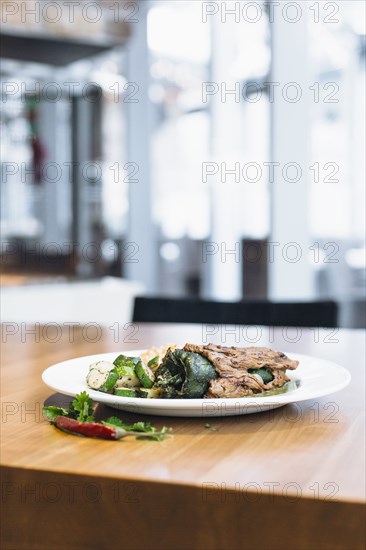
(127, 151)
(188, 163)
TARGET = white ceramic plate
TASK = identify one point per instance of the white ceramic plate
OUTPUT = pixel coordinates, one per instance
(317, 377)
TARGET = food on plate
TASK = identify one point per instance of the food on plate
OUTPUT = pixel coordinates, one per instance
(195, 371)
(245, 371)
(79, 420)
(154, 356)
(184, 374)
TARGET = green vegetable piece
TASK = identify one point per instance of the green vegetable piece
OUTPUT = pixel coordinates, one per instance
(141, 427)
(136, 427)
(145, 428)
(208, 426)
(82, 408)
(125, 371)
(128, 380)
(125, 392)
(153, 393)
(145, 375)
(184, 374)
(153, 361)
(125, 367)
(155, 436)
(51, 413)
(289, 386)
(264, 373)
(109, 384)
(123, 362)
(113, 421)
(95, 379)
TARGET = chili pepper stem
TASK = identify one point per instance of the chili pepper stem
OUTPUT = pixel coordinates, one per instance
(147, 434)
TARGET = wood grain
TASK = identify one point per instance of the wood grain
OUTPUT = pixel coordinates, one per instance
(301, 466)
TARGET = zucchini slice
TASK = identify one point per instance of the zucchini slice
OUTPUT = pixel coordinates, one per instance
(125, 392)
(145, 375)
(153, 362)
(101, 381)
(153, 393)
(110, 382)
(95, 379)
(123, 361)
(125, 367)
(129, 380)
(102, 366)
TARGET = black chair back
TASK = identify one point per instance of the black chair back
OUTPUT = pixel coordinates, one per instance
(289, 314)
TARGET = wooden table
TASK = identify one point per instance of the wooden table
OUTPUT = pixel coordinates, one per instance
(292, 478)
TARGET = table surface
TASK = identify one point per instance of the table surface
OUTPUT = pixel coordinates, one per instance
(314, 449)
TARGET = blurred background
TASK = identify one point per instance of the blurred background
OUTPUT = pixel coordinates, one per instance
(186, 149)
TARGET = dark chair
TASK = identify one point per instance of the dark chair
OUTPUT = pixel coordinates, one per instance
(289, 314)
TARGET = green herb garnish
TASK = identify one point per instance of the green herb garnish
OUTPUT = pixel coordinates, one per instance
(82, 407)
(53, 412)
(211, 428)
(147, 430)
(159, 436)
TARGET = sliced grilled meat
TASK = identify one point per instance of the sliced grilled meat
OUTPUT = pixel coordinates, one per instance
(227, 387)
(233, 364)
(232, 360)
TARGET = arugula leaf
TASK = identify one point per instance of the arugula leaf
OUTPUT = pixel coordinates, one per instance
(82, 408)
(53, 412)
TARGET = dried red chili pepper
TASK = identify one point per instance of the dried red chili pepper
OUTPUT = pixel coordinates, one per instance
(89, 429)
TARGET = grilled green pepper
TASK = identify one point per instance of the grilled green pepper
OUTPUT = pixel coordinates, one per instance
(264, 373)
(184, 374)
